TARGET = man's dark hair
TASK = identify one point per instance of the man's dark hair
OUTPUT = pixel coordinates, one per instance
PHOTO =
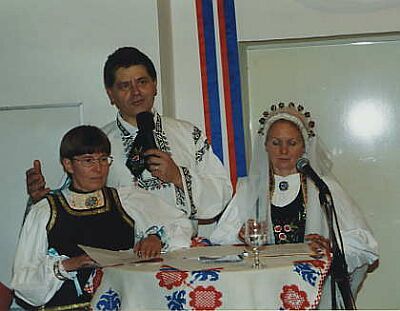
(126, 57)
(84, 139)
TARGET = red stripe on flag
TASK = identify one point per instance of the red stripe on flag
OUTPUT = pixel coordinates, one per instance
(203, 68)
(227, 93)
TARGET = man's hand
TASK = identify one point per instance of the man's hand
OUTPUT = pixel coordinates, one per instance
(163, 167)
(35, 182)
(148, 247)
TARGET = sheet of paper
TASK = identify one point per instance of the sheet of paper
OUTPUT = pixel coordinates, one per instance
(190, 258)
(107, 258)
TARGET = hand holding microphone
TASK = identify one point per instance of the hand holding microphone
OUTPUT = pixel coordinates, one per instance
(158, 162)
(145, 124)
(144, 140)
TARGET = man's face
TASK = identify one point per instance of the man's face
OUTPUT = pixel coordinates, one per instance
(133, 92)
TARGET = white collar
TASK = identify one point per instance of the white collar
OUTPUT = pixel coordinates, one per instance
(129, 127)
(84, 201)
(286, 189)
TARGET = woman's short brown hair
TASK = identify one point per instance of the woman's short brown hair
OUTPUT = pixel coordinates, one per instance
(84, 139)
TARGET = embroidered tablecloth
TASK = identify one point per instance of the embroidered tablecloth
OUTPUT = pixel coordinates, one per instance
(182, 282)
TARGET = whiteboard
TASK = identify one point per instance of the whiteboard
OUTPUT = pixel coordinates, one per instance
(28, 133)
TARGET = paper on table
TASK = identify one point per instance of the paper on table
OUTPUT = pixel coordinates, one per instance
(290, 249)
(107, 258)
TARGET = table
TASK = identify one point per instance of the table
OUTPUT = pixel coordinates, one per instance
(289, 279)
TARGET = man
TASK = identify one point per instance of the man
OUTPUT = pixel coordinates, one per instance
(183, 170)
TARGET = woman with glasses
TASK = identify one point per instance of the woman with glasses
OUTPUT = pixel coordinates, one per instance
(50, 269)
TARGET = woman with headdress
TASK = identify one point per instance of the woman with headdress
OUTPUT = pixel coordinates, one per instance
(291, 199)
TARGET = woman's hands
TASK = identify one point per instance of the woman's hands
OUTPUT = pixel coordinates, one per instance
(78, 262)
(148, 247)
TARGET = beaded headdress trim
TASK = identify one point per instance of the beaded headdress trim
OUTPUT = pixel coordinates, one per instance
(297, 115)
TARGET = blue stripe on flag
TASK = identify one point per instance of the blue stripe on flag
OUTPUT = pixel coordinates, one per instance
(212, 79)
(236, 95)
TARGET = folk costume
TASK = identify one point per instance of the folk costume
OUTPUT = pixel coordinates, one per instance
(291, 203)
(207, 188)
(105, 218)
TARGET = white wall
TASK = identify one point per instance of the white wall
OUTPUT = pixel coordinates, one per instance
(53, 51)
(188, 101)
(277, 19)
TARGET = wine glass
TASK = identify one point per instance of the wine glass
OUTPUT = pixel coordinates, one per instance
(255, 236)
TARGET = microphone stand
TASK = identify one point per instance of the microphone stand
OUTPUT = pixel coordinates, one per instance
(339, 272)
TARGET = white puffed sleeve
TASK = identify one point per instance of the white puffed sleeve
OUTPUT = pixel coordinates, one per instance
(153, 214)
(33, 278)
(360, 246)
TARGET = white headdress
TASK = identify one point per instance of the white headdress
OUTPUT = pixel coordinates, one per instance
(318, 158)
(255, 190)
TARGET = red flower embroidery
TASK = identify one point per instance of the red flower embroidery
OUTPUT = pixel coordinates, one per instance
(97, 279)
(318, 263)
(278, 228)
(205, 298)
(282, 236)
(170, 278)
(293, 298)
(287, 228)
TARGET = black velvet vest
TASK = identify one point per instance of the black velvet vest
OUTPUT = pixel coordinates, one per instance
(108, 227)
(289, 221)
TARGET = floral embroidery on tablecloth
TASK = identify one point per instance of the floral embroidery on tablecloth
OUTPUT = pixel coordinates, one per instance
(108, 301)
(171, 277)
(293, 298)
(205, 298)
(307, 272)
(185, 287)
(311, 273)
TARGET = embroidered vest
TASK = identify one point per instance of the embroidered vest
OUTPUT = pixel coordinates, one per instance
(108, 227)
(289, 221)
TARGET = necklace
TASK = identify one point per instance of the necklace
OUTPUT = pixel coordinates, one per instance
(283, 185)
(86, 200)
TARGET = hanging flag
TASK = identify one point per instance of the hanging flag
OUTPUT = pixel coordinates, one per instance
(220, 77)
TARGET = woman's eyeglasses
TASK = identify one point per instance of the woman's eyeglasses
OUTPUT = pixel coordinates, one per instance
(90, 161)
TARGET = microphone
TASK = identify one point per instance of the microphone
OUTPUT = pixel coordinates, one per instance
(145, 123)
(136, 161)
(303, 166)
